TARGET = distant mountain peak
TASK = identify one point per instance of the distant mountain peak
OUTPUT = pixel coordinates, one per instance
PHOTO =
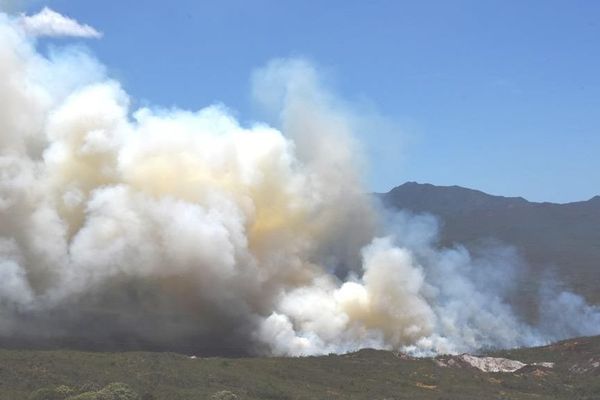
(461, 191)
(425, 197)
(549, 235)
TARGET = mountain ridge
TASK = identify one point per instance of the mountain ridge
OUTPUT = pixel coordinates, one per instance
(413, 184)
(556, 238)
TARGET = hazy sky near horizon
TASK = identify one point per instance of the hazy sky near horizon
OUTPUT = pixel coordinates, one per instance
(501, 96)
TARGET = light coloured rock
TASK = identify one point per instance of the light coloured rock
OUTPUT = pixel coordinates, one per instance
(492, 364)
(544, 364)
(486, 364)
(585, 367)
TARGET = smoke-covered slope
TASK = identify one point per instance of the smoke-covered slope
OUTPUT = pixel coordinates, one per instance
(562, 240)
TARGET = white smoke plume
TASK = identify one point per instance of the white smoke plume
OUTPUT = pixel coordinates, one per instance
(185, 230)
(50, 23)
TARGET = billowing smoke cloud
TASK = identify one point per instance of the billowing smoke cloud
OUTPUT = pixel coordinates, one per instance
(50, 23)
(181, 230)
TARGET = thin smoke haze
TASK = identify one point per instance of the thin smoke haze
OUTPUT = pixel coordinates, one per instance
(50, 23)
(172, 229)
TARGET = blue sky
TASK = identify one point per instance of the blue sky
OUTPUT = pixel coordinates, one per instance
(502, 96)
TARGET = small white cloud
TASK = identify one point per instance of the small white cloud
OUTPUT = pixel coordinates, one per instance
(50, 23)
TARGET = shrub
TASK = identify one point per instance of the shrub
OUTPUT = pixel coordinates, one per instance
(55, 393)
(114, 391)
(224, 395)
(45, 394)
(89, 387)
(119, 391)
(87, 396)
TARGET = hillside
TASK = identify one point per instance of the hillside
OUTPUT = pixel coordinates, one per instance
(367, 374)
(556, 239)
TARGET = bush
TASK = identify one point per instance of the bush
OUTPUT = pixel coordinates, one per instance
(119, 391)
(114, 391)
(224, 395)
(87, 396)
(89, 387)
(45, 394)
(55, 393)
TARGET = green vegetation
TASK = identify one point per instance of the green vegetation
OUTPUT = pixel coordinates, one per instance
(367, 374)
(113, 391)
